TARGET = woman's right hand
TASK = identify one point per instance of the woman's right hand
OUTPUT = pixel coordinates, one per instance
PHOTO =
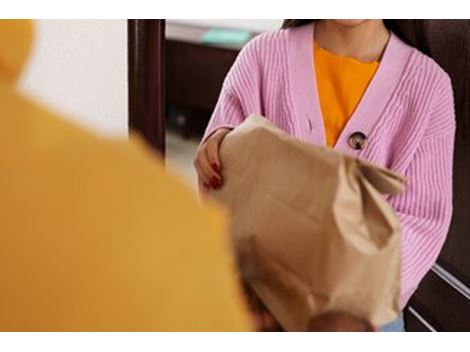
(207, 161)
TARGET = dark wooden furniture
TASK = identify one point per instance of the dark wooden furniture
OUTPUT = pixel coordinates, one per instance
(442, 302)
(195, 72)
(146, 80)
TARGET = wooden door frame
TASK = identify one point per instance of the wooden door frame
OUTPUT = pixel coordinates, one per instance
(146, 80)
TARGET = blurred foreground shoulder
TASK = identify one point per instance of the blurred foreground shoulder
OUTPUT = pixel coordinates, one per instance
(101, 223)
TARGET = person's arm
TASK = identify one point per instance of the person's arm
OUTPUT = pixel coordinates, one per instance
(425, 209)
(240, 97)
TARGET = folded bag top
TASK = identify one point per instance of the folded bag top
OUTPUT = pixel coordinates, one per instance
(311, 229)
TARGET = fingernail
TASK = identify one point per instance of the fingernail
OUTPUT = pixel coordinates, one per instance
(215, 182)
(215, 167)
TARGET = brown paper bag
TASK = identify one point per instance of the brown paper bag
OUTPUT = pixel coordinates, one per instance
(310, 226)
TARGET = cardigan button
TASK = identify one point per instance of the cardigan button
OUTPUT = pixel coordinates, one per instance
(358, 140)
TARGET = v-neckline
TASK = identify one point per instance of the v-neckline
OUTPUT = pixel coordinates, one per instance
(369, 108)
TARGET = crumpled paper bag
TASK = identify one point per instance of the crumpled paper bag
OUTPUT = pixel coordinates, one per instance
(311, 228)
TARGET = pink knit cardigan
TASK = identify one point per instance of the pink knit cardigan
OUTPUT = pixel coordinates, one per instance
(406, 113)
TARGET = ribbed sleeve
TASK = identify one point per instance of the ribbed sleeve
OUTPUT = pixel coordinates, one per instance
(425, 209)
(240, 94)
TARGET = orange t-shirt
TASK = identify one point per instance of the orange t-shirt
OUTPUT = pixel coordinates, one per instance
(341, 82)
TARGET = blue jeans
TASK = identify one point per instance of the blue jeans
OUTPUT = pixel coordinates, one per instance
(398, 325)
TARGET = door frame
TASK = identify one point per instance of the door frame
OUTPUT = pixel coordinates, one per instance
(146, 80)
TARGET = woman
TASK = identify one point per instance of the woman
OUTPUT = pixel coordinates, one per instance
(365, 88)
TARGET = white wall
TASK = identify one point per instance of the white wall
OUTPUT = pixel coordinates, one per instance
(255, 25)
(80, 68)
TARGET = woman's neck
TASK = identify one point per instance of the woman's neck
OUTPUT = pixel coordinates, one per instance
(365, 41)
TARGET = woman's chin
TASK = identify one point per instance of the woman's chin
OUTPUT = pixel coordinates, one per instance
(350, 22)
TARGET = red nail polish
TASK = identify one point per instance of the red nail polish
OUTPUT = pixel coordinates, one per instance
(215, 167)
(215, 182)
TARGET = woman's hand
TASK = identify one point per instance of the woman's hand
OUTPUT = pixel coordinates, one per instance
(207, 161)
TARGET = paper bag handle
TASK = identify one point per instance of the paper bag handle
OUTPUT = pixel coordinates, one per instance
(386, 181)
